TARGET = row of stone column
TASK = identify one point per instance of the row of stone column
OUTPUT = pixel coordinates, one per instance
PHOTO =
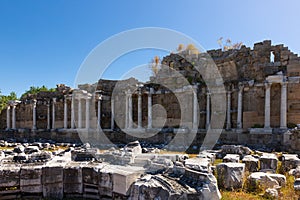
(129, 110)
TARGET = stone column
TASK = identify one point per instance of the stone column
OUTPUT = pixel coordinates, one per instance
(112, 122)
(8, 117)
(267, 105)
(65, 112)
(283, 105)
(53, 113)
(87, 113)
(195, 109)
(240, 107)
(130, 122)
(99, 112)
(150, 108)
(228, 124)
(139, 109)
(73, 112)
(126, 109)
(79, 113)
(34, 115)
(48, 115)
(14, 116)
(207, 110)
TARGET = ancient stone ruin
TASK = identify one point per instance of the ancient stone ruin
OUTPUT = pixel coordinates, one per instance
(44, 135)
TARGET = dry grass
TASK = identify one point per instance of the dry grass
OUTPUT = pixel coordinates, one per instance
(239, 195)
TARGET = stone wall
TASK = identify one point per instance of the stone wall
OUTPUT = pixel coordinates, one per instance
(245, 66)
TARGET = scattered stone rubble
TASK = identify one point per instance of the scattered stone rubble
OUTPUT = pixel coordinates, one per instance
(58, 171)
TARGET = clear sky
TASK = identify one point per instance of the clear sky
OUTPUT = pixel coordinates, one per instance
(45, 42)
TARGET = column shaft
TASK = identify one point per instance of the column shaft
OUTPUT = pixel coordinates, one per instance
(48, 115)
(8, 117)
(240, 108)
(283, 106)
(87, 113)
(126, 110)
(195, 110)
(228, 124)
(34, 115)
(139, 110)
(14, 117)
(65, 113)
(207, 110)
(73, 113)
(150, 108)
(130, 123)
(79, 113)
(112, 122)
(99, 113)
(53, 113)
(267, 105)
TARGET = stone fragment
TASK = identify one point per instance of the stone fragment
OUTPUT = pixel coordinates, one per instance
(234, 158)
(133, 147)
(290, 161)
(31, 179)
(261, 180)
(198, 164)
(251, 163)
(268, 162)
(271, 193)
(230, 175)
(297, 184)
(235, 149)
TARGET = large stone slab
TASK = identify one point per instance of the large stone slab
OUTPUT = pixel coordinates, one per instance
(268, 162)
(233, 158)
(290, 161)
(261, 180)
(230, 175)
(52, 180)
(73, 179)
(31, 179)
(198, 164)
(251, 163)
(124, 177)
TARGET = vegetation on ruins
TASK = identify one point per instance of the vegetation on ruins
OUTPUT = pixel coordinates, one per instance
(35, 90)
(228, 44)
(5, 98)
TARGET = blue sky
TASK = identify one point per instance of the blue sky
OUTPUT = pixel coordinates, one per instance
(45, 42)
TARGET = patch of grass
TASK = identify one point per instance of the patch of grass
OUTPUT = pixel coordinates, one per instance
(239, 195)
(6, 148)
(288, 191)
(217, 161)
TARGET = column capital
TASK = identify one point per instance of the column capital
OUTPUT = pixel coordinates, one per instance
(240, 87)
(283, 83)
(54, 100)
(268, 85)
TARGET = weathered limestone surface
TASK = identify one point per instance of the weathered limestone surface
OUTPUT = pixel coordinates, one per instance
(233, 158)
(268, 162)
(251, 163)
(264, 180)
(230, 175)
(290, 161)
